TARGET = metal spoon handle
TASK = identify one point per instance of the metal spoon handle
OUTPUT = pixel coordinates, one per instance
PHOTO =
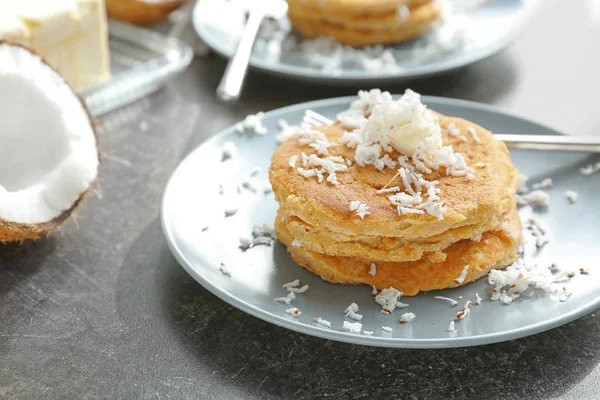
(230, 88)
(551, 142)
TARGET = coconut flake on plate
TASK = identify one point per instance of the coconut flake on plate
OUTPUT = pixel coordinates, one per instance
(228, 150)
(537, 198)
(253, 122)
(387, 299)
(352, 312)
(298, 289)
(386, 329)
(572, 196)
(287, 299)
(544, 184)
(407, 317)
(294, 312)
(522, 188)
(224, 270)
(451, 327)
(323, 322)
(478, 299)
(291, 284)
(453, 302)
(510, 283)
(465, 311)
(368, 333)
(590, 169)
(352, 327)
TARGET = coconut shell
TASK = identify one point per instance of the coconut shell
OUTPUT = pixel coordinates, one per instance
(17, 232)
(140, 12)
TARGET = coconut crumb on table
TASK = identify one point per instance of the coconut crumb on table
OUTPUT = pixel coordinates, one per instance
(352, 327)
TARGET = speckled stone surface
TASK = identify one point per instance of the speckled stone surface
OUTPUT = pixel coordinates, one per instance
(102, 310)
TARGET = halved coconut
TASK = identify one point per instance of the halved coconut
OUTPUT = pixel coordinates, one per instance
(48, 150)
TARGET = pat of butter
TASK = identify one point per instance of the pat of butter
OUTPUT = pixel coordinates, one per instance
(407, 136)
(70, 34)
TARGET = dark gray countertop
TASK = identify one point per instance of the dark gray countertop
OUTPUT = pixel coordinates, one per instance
(102, 310)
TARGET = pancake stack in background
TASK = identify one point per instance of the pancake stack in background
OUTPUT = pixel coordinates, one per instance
(363, 22)
(355, 210)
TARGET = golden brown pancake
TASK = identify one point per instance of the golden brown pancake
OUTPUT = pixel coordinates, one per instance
(422, 13)
(363, 22)
(380, 248)
(357, 6)
(496, 249)
(468, 202)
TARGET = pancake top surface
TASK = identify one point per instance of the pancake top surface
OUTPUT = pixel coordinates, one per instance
(467, 201)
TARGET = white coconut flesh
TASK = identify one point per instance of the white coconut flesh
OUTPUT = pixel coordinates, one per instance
(48, 149)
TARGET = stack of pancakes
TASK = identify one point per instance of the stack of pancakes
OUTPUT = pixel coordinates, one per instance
(480, 229)
(363, 22)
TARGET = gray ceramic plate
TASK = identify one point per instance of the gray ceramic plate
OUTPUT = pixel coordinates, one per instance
(192, 200)
(470, 34)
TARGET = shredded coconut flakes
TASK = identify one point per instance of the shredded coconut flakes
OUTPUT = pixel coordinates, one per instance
(463, 275)
(323, 322)
(253, 122)
(448, 299)
(387, 299)
(352, 312)
(407, 317)
(294, 312)
(571, 196)
(361, 209)
(451, 327)
(373, 269)
(352, 327)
